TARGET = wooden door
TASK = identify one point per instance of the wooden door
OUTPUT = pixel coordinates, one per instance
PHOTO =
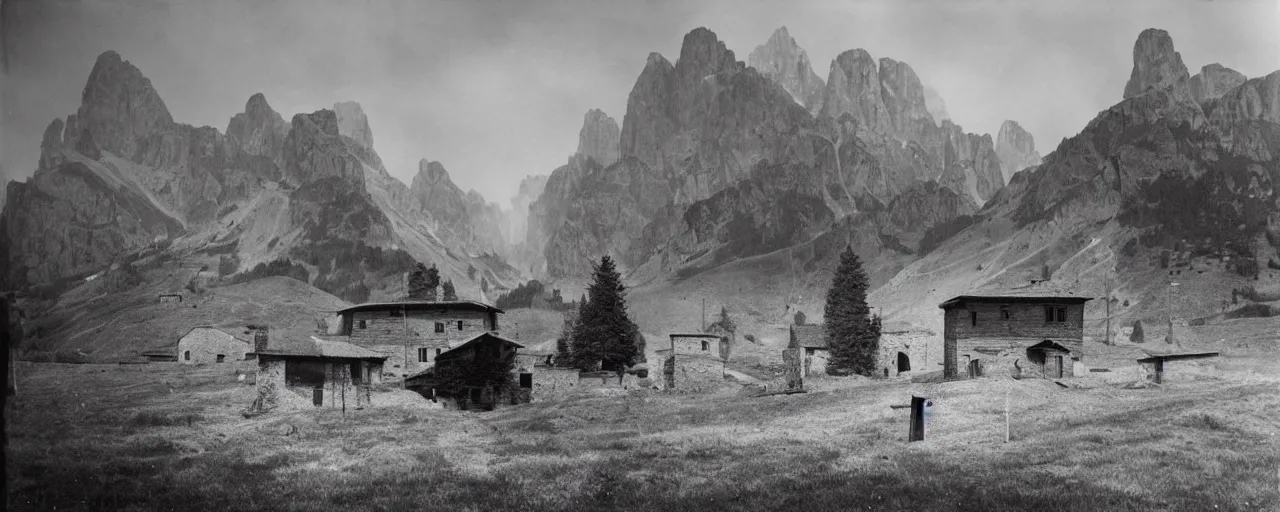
(1056, 371)
(317, 397)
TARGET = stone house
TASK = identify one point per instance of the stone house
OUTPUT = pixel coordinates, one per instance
(413, 334)
(904, 351)
(810, 343)
(206, 344)
(695, 362)
(1022, 335)
(324, 373)
(485, 346)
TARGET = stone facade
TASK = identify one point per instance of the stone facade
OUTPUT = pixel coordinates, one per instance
(297, 382)
(208, 345)
(997, 334)
(690, 372)
(903, 353)
(425, 333)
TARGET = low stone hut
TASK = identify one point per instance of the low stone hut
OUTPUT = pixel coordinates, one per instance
(206, 344)
(326, 373)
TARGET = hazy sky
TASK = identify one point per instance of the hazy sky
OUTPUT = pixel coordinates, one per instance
(496, 90)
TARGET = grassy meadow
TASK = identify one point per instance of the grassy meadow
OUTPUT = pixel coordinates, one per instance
(166, 437)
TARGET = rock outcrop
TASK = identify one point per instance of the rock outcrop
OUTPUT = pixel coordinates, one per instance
(314, 151)
(259, 130)
(353, 123)
(599, 137)
(1156, 65)
(1213, 81)
(1016, 149)
(785, 62)
(119, 107)
(854, 87)
(936, 106)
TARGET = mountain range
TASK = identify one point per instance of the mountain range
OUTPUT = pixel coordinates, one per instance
(718, 166)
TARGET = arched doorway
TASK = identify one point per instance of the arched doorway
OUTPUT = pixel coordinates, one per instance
(904, 362)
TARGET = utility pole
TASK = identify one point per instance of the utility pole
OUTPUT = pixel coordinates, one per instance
(1168, 306)
(405, 315)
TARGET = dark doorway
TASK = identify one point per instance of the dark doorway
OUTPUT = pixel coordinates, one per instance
(222, 357)
(904, 363)
(1056, 369)
(526, 380)
(355, 374)
(317, 397)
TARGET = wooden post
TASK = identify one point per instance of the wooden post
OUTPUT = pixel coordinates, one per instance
(1006, 415)
(704, 315)
(1108, 337)
(405, 374)
(917, 419)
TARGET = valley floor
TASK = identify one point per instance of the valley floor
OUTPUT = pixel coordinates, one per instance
(165, 437)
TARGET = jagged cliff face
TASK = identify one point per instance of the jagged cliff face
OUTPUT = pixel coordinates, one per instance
(1214, 81)
(1016, 149)
(702, 134)
(1144, 176)
(936, 106)
(785, 62)
(353, 123)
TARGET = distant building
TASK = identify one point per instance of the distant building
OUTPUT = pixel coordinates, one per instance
(413, 334)
(206, 344)
(1021, 335)
(694, 362)
(166, 298)
(810, 341)
(325, 373)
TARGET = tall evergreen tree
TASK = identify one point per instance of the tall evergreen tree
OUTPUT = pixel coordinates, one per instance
(605, 337)
(433, 282)
(564, 344)
(448, 291)
(418, 282)
(853, 337)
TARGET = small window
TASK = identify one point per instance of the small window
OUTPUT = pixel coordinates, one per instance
(363, 324)
(186, 355)
(973, 318)
(1004, 314)
(222, 357)
(459, 325)
(422, 355)
(439, 326)
(1062, 314)
(438, 352)
(1048, 313)
(705, 345)
(526, 380)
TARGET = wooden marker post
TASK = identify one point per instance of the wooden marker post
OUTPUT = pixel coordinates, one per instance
(917, 418)
(1006, 415)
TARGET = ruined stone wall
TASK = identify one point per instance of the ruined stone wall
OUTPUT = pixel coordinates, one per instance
(204, 345)
(553, 383)
(914, 345)
(698, 373)
(695, 346)
(815, 362)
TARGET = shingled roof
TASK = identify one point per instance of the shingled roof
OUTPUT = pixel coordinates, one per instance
(808, 336)
(316, 347)
(463, 305)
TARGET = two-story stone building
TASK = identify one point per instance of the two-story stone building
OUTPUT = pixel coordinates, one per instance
(1024, 335)
(412, 334)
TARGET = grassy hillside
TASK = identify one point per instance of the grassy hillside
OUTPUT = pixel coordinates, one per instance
(109, 325)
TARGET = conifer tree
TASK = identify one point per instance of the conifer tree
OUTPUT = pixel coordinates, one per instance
(432, 282)
(605, 337)
(448, 291)
(564, 344)
(418, 282)
(853, 337)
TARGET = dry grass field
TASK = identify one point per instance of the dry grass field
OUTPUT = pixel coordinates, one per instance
(167, 437)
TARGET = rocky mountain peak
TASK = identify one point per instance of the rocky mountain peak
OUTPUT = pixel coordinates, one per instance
(785, 62)
(1016, 149)
(430, 173)
(353, 123)
(902, 93)
(702, 54)
(314, 150)
(598, 138)
(853, 87)
(259, 130)
(1213, 81)
(119, 107)
(1157, 65)
(51, 146)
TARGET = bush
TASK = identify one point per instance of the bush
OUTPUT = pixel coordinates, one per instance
(1273, 263)
(1137, 335)
(749, 337)
(1251, 293)
(799, 319)
(280, 267)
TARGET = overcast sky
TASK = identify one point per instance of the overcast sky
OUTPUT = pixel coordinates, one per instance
(496, 90)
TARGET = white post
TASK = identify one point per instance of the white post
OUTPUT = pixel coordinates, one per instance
(1006, 415)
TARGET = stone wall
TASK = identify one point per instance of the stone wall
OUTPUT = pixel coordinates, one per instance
(697, 373)
(337, 388)
(553, 383)
(381, 328)
(204, 345)
(913, 345)
(396, 367)
(814, 364)
(709, 345)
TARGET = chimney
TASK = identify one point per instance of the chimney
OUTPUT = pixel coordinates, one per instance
(260, 339)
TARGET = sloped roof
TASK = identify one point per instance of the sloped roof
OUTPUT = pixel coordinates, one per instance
(465, 305)
(478, 339)
(808, 336)
(1029, 294)
(212, 328)
(316, 347)
(696, 335)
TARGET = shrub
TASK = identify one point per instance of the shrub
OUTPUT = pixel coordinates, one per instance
(799, 318)
(1137, 335)
(1251, 311)
(1273, 263)
(749, 337)
(280, 267)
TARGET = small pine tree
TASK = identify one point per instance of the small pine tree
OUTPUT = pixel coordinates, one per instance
(799, 318)
(1136, 336)
(432, 282)
(853, 337)
(484, 284)
(471, 272)
(448, 291)
(564, 344)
